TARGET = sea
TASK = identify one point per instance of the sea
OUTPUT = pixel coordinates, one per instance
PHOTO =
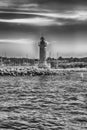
(44, 102)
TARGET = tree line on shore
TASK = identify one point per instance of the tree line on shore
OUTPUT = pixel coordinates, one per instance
(60, 62)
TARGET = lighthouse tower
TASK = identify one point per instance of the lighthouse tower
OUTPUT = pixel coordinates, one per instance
(42, 53)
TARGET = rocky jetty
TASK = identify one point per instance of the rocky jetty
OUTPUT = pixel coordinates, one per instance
(24, 71)
(33, 71)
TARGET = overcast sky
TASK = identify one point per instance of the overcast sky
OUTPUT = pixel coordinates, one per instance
(62, 22)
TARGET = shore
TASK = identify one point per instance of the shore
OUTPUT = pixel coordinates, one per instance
(34, 71)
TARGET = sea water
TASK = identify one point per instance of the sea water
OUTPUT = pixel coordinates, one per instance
(43, 102)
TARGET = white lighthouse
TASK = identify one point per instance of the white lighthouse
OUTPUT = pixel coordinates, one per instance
(42, 53)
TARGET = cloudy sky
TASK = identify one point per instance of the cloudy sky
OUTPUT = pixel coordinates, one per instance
(62, 22)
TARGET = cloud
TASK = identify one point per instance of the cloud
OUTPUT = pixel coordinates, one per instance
(37, 21)
(74, 14)
(43, 17)
(29, 5)
(16, 41)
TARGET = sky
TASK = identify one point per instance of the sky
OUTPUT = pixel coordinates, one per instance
(63, 23)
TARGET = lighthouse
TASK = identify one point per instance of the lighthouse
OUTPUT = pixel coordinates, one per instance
(42, 53)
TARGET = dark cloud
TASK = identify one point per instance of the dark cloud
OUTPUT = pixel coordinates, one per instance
(54, 1)
(63, 1)
(53, 4)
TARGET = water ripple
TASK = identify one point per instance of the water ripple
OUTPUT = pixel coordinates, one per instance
(43, 103)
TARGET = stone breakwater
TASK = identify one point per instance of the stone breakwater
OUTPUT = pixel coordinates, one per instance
(25, 71)
(33, 71)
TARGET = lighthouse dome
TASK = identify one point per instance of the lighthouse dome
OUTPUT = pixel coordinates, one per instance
(42, 38)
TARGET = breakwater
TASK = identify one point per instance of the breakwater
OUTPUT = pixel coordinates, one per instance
(25, 71)
(33, 71)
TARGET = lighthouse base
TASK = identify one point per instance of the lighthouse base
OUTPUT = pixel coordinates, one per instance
(43, 65)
